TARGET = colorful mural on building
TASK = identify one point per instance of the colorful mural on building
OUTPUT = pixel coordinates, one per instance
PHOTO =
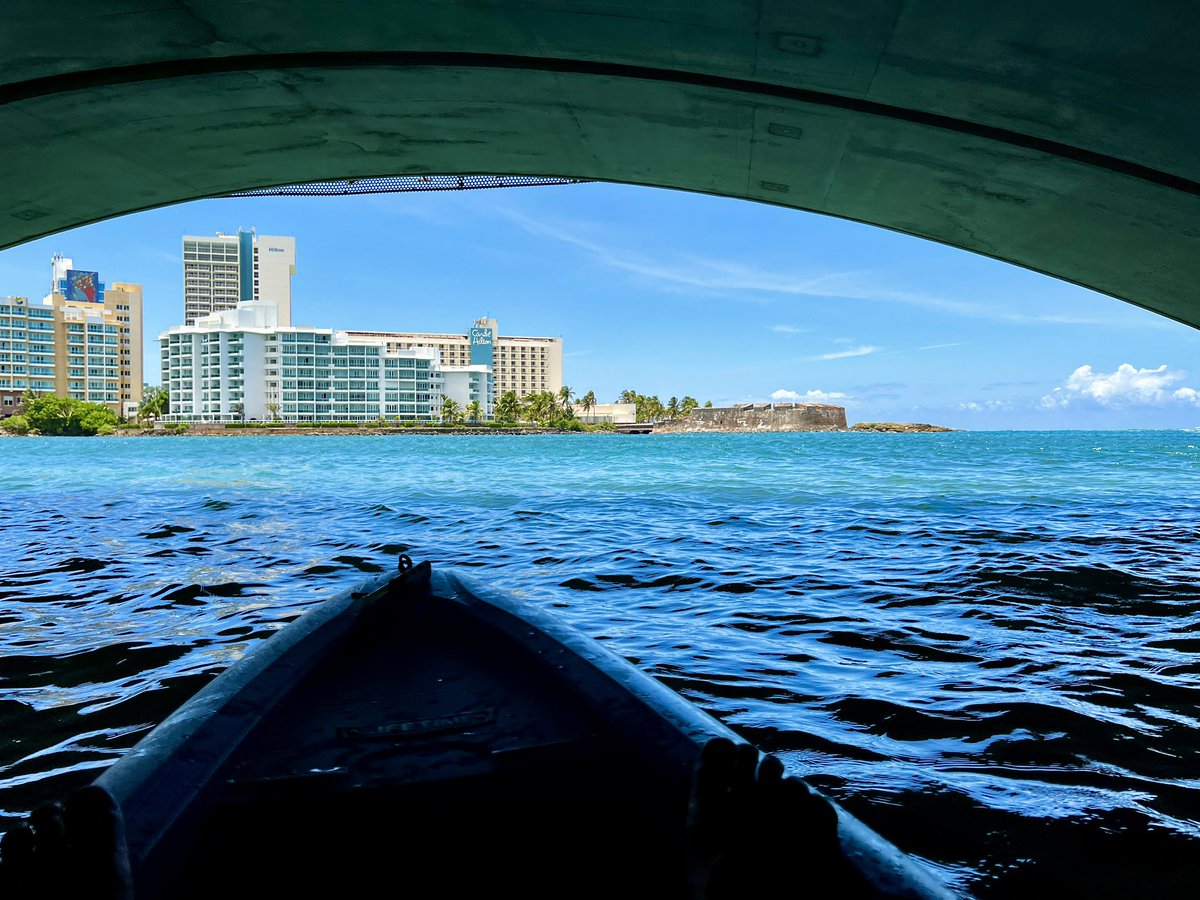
(83, 287)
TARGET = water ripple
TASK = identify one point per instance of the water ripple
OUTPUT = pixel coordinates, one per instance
(985, 645)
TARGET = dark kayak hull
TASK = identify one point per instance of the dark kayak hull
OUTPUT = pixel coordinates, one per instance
(439, 739)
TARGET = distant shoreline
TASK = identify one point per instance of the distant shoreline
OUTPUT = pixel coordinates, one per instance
(865, 428)
(861, 428)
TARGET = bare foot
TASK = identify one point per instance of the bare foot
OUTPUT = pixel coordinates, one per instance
(752, 831)
(79, 854)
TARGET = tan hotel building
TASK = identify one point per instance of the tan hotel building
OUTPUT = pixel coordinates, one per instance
(526, 365)
(84, 340)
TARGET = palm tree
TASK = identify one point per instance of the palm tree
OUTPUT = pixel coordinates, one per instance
(588, 402)
(273, 409)
(564, 401)
(531, 410)
(688, 404)
(542, 406)
(154, 404)
(474, 411)
(238, 410)
(649, 409)
(508, 409)
(450, 410)
(628, 397)
(673, 408)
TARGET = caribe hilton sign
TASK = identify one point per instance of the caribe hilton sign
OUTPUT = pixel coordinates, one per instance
(481, 340)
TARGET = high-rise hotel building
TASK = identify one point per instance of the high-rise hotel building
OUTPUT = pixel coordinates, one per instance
(241, 364)
(526, 365)
(220, 272)
(84, 340)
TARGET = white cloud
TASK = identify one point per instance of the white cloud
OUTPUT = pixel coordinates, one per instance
(941, 346)
(845, 354)
(695, 274)
(788, 329)
(986, 406)
(782, 396)
(1126, 386)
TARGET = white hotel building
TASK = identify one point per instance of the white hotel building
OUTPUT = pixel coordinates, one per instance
(240, 364)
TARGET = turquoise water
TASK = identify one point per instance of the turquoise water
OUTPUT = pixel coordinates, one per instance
(983, 644)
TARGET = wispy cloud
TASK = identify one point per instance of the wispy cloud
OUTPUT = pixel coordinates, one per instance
(845, 354)
(710, 275)
(689, 273)
(788, 329)
(942, 346)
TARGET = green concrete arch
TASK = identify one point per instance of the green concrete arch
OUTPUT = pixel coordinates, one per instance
(1061, 137)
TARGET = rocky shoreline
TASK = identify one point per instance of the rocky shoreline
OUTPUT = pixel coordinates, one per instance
(254, 432)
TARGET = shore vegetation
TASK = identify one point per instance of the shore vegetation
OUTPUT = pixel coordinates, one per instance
(651, 409)
(54, 416)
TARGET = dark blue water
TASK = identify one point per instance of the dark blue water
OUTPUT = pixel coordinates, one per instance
(985, 645)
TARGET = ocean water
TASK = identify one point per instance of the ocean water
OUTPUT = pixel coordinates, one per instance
(985, 645)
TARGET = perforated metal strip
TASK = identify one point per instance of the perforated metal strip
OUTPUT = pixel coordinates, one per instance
(403, 183)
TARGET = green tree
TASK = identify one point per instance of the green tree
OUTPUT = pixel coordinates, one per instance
(451, 411)
(508, 409)
(27, 398)
(474, 411)
(687, 405)
(588, 402)
(649, 409)
(708, 404)
(673, 408)
(239, 410)
(541, 407)
(628, 397)
(16, 424)
(51, 415)
(273, 409)
(155, 402)
(564, 401)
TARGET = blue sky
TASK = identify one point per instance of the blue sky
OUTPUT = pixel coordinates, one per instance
(671, 294)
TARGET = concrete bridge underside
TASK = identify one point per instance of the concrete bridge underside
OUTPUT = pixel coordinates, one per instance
(1059, 136)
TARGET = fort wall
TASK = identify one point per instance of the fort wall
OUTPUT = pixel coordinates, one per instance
(758, 417)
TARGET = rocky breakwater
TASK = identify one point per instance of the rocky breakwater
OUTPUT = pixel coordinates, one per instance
(758, 417)
(899, 428)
